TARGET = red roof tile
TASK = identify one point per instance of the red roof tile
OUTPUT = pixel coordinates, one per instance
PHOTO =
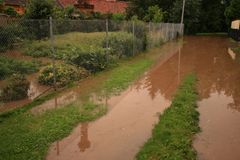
(65, 3)
(105, 6)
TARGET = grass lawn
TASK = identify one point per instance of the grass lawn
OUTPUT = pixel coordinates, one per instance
(172, 136)
(26, 136)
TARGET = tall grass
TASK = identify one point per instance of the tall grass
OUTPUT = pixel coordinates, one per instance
(172, 136)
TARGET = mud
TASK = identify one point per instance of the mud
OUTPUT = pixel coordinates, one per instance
(128, 124)
(34, 91)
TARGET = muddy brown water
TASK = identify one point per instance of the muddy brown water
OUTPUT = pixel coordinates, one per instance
(128, 124)
(130, 118)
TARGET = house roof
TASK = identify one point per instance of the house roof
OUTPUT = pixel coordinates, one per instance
(15, 2)
(109, 6)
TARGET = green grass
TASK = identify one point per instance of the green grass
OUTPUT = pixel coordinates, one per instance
(34, 103)
(70, 44)
(122, 76)
(9, 66)
(172, 136)
(27, 136)
(236, 50)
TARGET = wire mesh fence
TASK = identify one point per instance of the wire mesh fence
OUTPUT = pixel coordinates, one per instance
(90, 44)
(17, 33)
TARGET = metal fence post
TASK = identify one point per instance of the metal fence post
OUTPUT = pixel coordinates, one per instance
(53, 53)
(133, 31)
(150, 35)
(107, 36)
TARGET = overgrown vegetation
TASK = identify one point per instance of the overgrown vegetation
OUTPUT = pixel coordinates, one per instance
(16, 88)
(27, 136)
(172, 136)
(65, 74)
(9, 66)
(89, 50)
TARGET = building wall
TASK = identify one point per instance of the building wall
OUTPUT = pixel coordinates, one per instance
(109, 6)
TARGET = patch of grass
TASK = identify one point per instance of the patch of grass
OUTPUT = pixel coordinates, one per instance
(172, 136)
(9, 66)
(236, 50)
(27, 137)
(122, 76)
(34, 103)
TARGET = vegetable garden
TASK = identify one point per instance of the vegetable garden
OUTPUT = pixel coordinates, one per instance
(81, 48)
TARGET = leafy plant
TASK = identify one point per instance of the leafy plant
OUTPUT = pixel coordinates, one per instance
(93, 59)
(16, 88)
(10, 66)
(10, 11)
(65, 74)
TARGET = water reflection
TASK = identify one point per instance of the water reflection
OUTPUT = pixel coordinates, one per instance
(129, 121)
(84, 141)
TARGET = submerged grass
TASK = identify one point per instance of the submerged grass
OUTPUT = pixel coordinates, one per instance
(122, 76)
(27, 136)
(172, 136)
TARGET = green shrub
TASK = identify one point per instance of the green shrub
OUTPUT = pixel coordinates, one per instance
(65, 74)
(9, 66)
(16, 88)
(94, 59)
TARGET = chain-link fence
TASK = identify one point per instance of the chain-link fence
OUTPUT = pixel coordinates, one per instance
(27, 45)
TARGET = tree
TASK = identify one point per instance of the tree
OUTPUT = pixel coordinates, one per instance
(140, 7)
(191, 16)
(39, 9)
(118, 17)
(10, 11)
(1, 6)
(212, 16)
(232, 12)
(154, 14)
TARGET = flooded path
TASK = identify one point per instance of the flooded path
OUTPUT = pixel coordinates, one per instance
(132, 115)
(130, 119)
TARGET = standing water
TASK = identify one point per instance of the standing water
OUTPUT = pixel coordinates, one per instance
(120, 134)
(130, 119)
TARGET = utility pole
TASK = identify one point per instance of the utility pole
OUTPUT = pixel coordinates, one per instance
(182, 19)
(53, 53)
(183, 10)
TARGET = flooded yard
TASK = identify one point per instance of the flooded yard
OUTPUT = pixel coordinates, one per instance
(134, 112)
(129, 122)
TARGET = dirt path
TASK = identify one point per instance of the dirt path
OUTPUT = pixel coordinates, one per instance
(128, 124)
(126, 127)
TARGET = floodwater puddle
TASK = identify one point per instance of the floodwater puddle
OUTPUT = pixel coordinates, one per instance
(130, 119)
(133, 113)
(34, 91)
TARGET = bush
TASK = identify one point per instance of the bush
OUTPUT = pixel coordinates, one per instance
(118, 17)
(94, 59)
(9, 66)
(65, 74)
(16, 88)
(10, 11)
(121, 44)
